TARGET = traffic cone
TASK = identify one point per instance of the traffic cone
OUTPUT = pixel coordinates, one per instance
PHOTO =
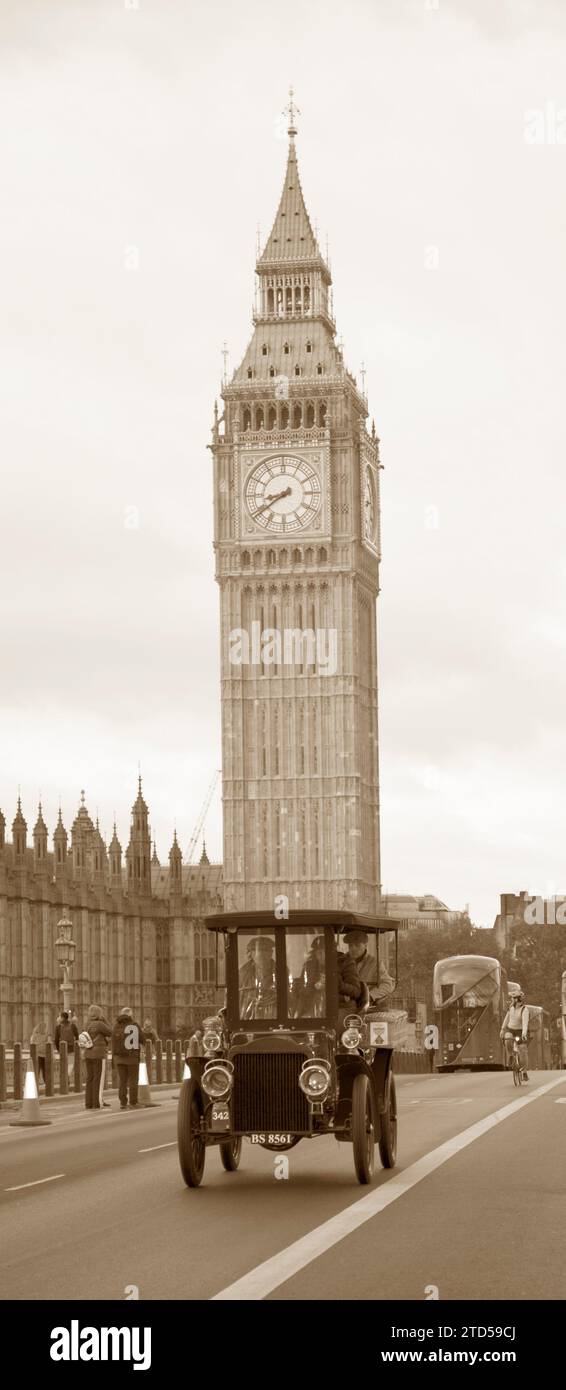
(30, 1113)
(144, 1092)
(186, 1071)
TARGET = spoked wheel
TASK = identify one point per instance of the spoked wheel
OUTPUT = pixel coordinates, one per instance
(388, 1140)
(362, 1128)
(190, 1140)
(231, 1153)
(517, 1073)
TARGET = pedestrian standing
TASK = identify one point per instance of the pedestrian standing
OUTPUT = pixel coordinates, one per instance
(66, 1032)
(40, 1038)
(127, 1039)
(99, 1031)
(149, 1032)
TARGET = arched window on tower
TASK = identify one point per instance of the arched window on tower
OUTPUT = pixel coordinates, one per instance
(247, 418)
(272, 417)
(284, 416)
(270, 303)
(309, 345)
(307, 297)
(264, 350)
(310, 415)
(322, 413)
(297, 416)
(289, 299)
(246, 558)
(259, 417)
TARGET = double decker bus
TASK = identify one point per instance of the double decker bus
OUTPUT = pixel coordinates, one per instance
(470, 1003)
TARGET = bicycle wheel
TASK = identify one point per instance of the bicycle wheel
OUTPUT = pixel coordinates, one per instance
(517, 1078)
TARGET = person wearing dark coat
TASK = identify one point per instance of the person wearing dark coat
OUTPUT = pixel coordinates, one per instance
(350, 986)
(127, 1039)
(95, 1058)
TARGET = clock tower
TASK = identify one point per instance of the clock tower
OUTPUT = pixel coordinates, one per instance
(296, 503)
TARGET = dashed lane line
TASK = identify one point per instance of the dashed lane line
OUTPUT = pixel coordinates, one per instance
(266, 1277)
(37, 1183)
(153, 1148)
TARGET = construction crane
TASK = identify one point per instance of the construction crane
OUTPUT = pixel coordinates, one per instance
(202, 817)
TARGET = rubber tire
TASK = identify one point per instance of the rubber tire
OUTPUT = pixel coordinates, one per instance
(363, 1141)
(192, 1151)
(388, 1140)
(517, 1077)
(231, 1153)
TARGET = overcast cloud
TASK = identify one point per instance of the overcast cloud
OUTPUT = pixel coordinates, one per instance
(141, 147)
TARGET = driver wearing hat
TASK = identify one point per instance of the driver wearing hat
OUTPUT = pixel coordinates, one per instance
(380, 985)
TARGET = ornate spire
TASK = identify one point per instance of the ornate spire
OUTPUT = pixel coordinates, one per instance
(60, 838)
(19, 834)
(204, 859)
(291, 238)
(176, 865)
(40, 839)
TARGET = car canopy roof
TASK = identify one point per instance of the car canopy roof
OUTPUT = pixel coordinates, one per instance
(310, 918)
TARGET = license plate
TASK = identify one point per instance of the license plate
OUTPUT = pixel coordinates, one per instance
(282, 1139)
(220, 1117)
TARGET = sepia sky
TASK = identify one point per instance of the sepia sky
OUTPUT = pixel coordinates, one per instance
(142, 145)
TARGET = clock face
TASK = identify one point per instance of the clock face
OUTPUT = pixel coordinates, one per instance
(369, 507)
(283, 494)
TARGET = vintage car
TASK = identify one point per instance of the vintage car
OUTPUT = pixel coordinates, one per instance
(301, 1047)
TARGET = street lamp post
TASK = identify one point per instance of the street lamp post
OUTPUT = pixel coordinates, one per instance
(65, 949)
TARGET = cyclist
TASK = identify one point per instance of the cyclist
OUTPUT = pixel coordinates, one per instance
(516, 1025)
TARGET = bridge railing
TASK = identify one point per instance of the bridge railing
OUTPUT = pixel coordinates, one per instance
(63, 1072)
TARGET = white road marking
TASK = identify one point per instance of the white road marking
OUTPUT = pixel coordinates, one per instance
(260, 1282)
(562, 1101)
(158, 1146)
(37, 1183)
(444, 1100)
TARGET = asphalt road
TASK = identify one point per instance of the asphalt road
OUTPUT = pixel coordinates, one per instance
(475, 1209)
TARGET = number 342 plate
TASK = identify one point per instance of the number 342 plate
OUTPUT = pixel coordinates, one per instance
(271, 1138)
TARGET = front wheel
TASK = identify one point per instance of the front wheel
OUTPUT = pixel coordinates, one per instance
(388, 1140)
(231, 1153)
(190, 1139)
(363, 1128)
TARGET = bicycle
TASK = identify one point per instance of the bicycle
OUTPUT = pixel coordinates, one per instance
(517, 1068)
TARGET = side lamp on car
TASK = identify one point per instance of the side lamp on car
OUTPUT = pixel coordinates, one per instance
(211, 1041)
(351, 1039)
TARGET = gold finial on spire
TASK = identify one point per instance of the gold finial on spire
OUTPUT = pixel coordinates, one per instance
(291, 111)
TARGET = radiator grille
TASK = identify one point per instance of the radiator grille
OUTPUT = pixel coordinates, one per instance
(266, 1093)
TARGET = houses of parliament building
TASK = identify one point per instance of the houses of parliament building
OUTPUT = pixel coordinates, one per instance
(138, 926)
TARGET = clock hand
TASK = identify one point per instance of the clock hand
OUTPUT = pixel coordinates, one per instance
(274, 497)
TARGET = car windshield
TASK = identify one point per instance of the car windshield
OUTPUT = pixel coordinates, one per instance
(306, 974)
(256, 974)
(363, 973)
